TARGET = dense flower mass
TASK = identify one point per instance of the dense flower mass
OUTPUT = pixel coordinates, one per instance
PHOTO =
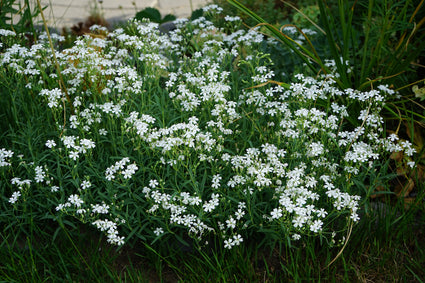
(182, 133)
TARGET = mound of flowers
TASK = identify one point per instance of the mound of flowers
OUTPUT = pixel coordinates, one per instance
(189, 135)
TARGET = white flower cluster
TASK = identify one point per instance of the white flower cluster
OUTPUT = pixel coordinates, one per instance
(54, 97)
(111, 229)
(286, 152)
(23, 60)
(14, 197)
(75, 146)
(21, 184)
(176, 206)
(211, 204)
(5, 32)
(140, 125)
(100, 208)
(121, 167)
(5, 156)
(72, 201)
(40, 174)
(213, 9)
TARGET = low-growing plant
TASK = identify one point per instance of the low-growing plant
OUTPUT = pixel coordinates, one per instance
(154, 16)
(226, 158)
(186, 139)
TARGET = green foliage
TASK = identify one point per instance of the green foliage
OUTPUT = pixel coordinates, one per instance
(305, 16)
(18, 15)
(153, 15)
(378, 39)
(274, 11)
(196, 14)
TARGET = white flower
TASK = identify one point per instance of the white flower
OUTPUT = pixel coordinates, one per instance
(50, 143)
(14, 197)
(39, 174)
(195, 200)
(316, 226)
(276, 213)
(74, 155)
(296, 237)
(411, 164)
(298, 221)
(60, 207)
(237, 239)
(208, 207)
(231, 223)
(228, 244)
(5, 154)
(153, 183)
(101, 209)
(85, 184)
(75, 200)
(86, 144)
(239, 214)
(54, 189)
(321, 213)
(158, 231)
(216, 181)
(316, 149)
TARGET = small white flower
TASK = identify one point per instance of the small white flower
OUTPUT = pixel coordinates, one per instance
(237, 239)
(54, 189)
(60, 207)
(14, 197)
(195, 200)
(101, 209)
(85, 184)
(411, 164)
(158, 231)
(321, 213)
(231, 223)
(127, 174)
(316, 149)
(74, 155)
(216, 181)
(316, 226)
(39, 174)
(146, 191)
(75, 200)
(298, 221)
(228, 244)
(296, 237)
(276, 213)
(239, 214)
(153, 183)
(50, 143)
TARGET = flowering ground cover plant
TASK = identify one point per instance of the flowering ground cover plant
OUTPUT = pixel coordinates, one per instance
(185, 136)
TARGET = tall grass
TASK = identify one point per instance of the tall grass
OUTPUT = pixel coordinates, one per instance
(369, 41)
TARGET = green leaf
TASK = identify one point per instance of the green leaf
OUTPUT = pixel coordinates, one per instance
(196, 14)
(149, 13)
(168, 18)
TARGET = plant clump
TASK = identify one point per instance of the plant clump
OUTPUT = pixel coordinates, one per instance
(185, 135)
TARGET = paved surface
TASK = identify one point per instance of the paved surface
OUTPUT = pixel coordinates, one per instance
(65, 13)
